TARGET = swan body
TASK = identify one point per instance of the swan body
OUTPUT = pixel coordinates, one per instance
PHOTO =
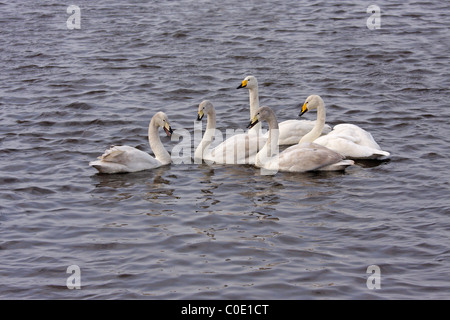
(297, 158)
(349, 140)
(122, 159)
(239, 149)
(290, 131)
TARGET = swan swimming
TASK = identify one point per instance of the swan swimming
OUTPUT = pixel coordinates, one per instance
(348, 139)
(121, 159)
(297, 158)
(239, 149)
(291, 131)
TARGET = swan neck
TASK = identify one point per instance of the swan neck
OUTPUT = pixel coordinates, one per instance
(254, 101)
(270, 148)
(254, 106)
(203, 147)
(211, 119)
(318, 127)
(156, 145)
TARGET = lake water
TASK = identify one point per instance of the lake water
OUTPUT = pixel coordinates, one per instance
(195, 231)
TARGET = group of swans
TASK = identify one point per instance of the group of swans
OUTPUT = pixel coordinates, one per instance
(314, 146)
(291, 131)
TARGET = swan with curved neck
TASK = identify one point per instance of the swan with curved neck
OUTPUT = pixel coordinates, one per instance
(251, 84)
(121, 159)
(203, 151)
(349, 140)
(239, 149)
(297, 158)
(291, 131)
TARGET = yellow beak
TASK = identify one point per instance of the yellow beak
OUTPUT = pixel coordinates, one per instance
(253, 122)
(304, 109)
(168, 129)
(243, 84)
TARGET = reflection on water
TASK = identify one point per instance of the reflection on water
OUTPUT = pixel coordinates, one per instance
(210, 186)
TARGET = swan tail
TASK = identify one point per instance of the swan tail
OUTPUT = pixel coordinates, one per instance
(339, 166)
(114, 154)
(110, 153)
(373, 154)
(106, 167)
(97, 165)
(382, 154)
(111, 161)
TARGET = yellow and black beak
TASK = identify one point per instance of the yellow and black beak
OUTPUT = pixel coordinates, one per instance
(253, 122)
(243, 84)
(168, 129)
(304, 109)
(200, 115)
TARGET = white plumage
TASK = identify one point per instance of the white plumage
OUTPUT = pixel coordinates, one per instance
(349, 140)
(239, 149)
(297, 158)
(291, 131)
(121, 159)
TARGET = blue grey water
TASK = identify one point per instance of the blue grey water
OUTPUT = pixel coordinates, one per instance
(194, 231)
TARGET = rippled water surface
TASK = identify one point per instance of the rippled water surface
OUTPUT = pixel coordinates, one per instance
(190, 231)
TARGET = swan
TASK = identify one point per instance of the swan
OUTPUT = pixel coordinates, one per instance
(239, 149)
(291, 131)
(297, 158)
(348, 139)
(121, 159)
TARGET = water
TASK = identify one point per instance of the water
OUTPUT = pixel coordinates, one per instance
(221, 232)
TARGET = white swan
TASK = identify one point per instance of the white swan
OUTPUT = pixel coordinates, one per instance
(121, 159)
(348, 139)
(297, 158)
(291, 131)
(239, 149)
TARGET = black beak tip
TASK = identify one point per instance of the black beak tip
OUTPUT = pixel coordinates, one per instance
(169, 131)
(302, 113)
(251, 124)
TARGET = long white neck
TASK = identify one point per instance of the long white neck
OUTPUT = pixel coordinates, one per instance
(270, 148)
(254, 106)
(204, 145)
(318, 127)
(156, 145)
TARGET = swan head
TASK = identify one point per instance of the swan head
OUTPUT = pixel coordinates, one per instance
(249, 82)
(161, 120)
(204, 107)
(262, 114)
(311, 103)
